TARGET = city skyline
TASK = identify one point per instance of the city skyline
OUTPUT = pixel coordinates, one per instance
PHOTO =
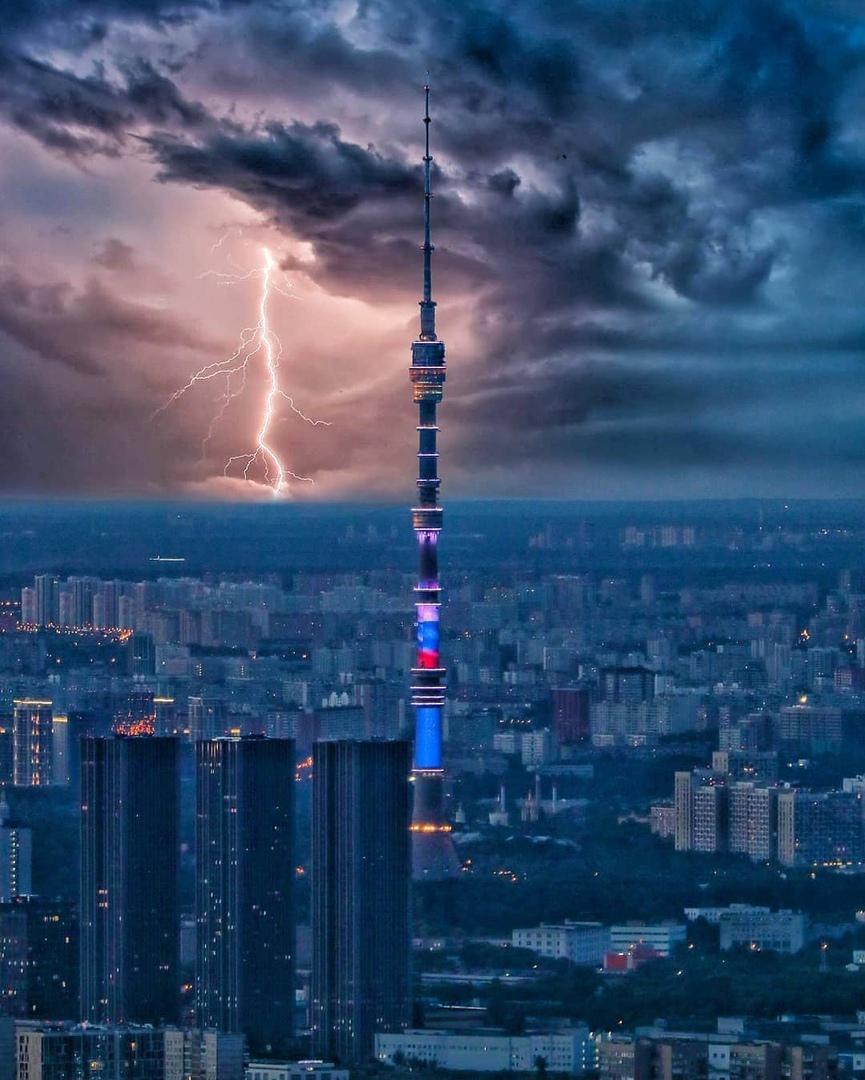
(653, 773)
(649, 230)
(297, 783)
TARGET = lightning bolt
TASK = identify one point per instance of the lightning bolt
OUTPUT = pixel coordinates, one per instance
(258, 340)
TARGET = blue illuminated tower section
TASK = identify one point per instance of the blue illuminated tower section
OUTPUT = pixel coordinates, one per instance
(433, 854)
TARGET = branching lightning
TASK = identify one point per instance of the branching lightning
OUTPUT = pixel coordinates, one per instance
(258, 340)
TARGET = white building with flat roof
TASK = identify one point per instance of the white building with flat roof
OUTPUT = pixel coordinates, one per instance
(569, 1050)
(781, 931)
(579, 942)
(294, 1070)
(713, 914)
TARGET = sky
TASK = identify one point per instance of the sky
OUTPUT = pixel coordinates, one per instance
(649, 220)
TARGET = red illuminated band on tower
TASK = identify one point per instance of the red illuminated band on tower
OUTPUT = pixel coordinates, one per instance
(433, 854)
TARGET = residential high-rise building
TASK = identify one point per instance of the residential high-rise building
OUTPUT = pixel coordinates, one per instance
(700, 801)
(759, 766)
(810, 729)
(824, 829)
(433, 850)
(753, 819)
(29, 607)
(683, 806)
(31, 743)
(82, 589)
(193, 1054)
(39, 959)
(739, 808)
(129, 879)
(339, 722)
(380, 703)
(361, 871)
(60, 751)
(244, 889)
(628, 685)
(47, 588)
(751, 734)
(143, 658)
(165, 716)
(206, 719)
(709, 817)
(105, 600)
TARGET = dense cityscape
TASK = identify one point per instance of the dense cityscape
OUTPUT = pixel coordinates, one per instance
(311, 770)
(653, 774)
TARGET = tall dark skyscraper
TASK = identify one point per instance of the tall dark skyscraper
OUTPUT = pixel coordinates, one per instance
(433, 854)
(129, 869)
(361, 878)
(245, 888)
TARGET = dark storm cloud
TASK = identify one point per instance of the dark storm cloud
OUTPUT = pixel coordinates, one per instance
(41, 19)
(80, 115)
(86, 330)
(294, 173)
(627, 191)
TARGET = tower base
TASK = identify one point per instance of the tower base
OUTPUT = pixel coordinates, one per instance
(433, 857)
(433, 854)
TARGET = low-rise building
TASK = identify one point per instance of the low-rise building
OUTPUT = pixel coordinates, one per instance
(664, 937)
(570, 1050)
(759, 928)
(66, 1051)
(294, 1070)
(579, 942)
(622, 963)
(811, 1048)
(621, 1059)
(662, 818)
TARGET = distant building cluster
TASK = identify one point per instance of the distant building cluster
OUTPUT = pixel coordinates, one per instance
(192, 725)
(619, 948)
(738, 806)
(539, 668)
(806, 1048)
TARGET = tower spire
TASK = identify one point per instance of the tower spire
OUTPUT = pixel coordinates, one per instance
(427, 305)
